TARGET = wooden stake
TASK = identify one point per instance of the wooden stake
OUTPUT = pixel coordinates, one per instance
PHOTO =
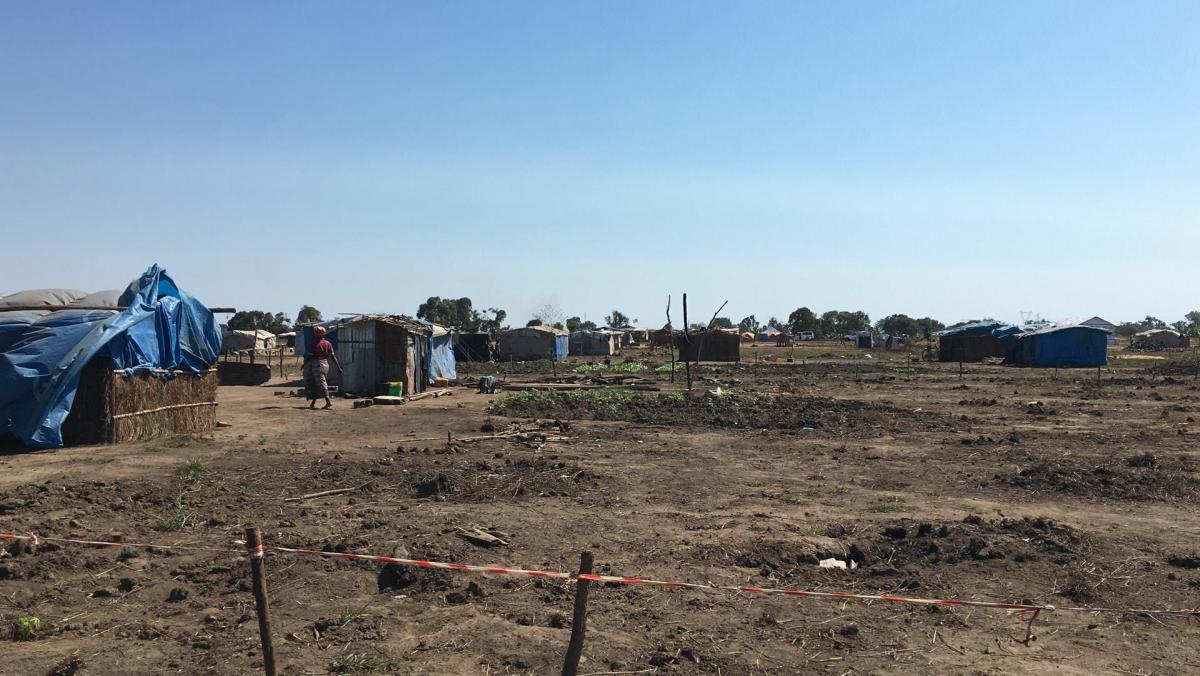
(579, 619)
(258, 570)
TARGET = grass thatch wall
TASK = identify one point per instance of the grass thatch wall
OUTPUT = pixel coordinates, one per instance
(112, 408)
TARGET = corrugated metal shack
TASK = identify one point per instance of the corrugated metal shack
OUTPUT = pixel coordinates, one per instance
(376, 350)
(532, 343)
(593, 344)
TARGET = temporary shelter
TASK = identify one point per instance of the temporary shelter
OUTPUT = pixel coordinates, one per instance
(1060, 347)
(971, 342)
(237, 340)
(472, 347)
(714, 345)
(592, 343)
(376, 351)
(1094, 322)
(531, 343)
(106, 367)
(1159, 339)
(768, 334)
(441, 355)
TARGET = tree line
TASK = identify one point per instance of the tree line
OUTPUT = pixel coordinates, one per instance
(460, 314)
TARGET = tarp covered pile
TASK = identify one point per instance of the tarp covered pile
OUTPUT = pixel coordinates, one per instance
(42, 353)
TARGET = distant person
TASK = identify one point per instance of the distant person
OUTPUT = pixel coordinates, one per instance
(316, 369)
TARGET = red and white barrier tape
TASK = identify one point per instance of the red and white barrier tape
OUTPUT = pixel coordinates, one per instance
(614, 579)
(35, 539)
(558, 575)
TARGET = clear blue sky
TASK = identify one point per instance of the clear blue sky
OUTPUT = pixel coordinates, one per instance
(953, 159)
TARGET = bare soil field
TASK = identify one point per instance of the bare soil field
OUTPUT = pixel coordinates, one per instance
(1006, 484)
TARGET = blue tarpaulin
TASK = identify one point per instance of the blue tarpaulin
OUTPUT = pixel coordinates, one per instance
(43, 353)
(441, 358)
(1061, 347)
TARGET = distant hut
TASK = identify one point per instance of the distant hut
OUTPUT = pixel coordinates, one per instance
(971, 342)
(376, 350)
(662, 337)
(473, 347)
(767, 335)
(108, 367)
(239, 340)
(1159, 339)
(1075, 346)
(713, 345)
(531, 343)
(592, 344)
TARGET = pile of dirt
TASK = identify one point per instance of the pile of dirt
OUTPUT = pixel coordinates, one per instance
(913, 555)
(1175, 367)
(1142, 477)
(835, 417)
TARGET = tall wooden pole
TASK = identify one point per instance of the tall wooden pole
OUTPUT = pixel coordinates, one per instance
(579, 619)
(258, 570)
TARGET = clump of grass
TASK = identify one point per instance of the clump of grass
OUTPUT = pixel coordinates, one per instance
(190, 472)
(893, 504)
(26, 628)
(358, 663)
(348, 616)
(178, 518)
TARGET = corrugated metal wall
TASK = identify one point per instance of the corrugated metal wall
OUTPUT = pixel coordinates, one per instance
(356, 351)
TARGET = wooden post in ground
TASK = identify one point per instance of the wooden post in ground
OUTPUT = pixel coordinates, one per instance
(579, 619)
(258, 571)
(687, 340)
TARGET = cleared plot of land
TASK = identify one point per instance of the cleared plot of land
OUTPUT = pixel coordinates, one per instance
(1008, 484)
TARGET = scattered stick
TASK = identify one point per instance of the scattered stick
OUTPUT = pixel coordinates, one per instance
(579, 620)
(336, 491)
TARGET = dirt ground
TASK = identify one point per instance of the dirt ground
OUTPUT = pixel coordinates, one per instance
(1006, 484)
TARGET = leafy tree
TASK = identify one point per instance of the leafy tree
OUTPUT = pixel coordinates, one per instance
(899, 324)
(558, 325)
(776, 324)
(803, 319)
(1127, 329)
(723, 323)
(842, 322)
(256, 320)
(1181, 326)
(576, 324)
(1153, 323)
(446, 311)
(1193, 318)
(748, 324)
(929, 325)
(308, 315)
(534, 322)
(617, 320)
(460, 314)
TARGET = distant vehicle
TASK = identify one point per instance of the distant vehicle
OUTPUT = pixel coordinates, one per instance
(806, 335)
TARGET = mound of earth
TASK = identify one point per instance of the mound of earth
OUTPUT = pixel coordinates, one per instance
(835, 417)
(1139, 477)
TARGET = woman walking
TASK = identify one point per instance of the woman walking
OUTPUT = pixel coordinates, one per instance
(316, 369)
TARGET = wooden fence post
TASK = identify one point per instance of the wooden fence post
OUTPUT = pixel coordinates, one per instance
(579, 620)
(258, 570)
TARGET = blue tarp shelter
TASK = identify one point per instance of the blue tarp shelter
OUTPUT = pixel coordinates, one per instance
(1061, 347)
(43, 352)
(973, 342)
(531, 343)
(442, 363)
